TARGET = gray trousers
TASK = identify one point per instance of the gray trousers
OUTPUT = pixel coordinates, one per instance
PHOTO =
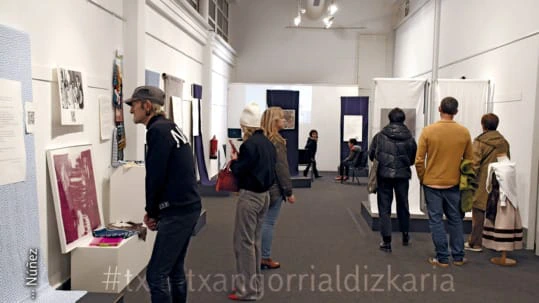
(250, 211)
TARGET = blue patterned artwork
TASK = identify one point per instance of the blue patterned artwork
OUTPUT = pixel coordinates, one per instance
(24, 274)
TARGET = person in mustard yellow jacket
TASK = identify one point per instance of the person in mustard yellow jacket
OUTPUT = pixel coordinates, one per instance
(445, 143)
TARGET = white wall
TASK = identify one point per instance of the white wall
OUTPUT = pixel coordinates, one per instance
(163, 37)
(486, 39)
(319, 108)
(79, 36)
(413, 44)
(270, 53)
(181, 46)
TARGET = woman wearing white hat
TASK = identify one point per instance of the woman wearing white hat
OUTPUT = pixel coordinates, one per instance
(254, 168)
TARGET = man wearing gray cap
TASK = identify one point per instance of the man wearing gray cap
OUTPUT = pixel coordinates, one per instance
(172, 199)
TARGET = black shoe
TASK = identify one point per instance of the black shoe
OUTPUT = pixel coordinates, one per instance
(305, 173)
(385, 246)
(405, 239)
(318, 176)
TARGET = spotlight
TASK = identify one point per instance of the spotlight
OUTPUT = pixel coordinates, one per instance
(332, 9)
(328, 21)
(297, 20)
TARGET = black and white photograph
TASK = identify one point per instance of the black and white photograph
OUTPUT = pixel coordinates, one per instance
(71, 96)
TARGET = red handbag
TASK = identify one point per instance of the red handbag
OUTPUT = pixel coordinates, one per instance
(226, 181)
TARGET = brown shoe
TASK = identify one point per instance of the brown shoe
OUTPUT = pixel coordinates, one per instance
(435, 262)
(269, 264)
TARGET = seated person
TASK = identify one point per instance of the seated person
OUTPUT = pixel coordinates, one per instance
(344, 167)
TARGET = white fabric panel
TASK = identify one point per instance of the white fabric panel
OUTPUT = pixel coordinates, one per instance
(472, 96)
(405, 94)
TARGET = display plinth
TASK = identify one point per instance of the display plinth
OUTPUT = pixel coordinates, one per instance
(110, 269)
(419, 222)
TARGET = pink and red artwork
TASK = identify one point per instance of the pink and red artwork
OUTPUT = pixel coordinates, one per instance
(75, 196)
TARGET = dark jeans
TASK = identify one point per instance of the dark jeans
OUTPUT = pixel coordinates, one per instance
(315, 171)
(344, 168)
(440, 202)
(384, 197)
(165, 273)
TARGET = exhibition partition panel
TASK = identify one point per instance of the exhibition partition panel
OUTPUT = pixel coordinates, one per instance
(409, 95)
(473, 98)
(288, 100)
(19, 232)
(354, 123)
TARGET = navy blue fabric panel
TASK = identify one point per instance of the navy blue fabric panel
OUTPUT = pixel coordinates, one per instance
(201, 164)
(354, 106)
(196, 91)
(152, 78)
(199, 150)
(288, 99)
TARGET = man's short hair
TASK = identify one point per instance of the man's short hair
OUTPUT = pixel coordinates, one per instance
(490, 121)
(449, 105)
(352, 141)
(312, 131)
(396, 115)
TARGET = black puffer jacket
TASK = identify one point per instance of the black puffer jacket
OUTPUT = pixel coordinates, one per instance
(394, 148)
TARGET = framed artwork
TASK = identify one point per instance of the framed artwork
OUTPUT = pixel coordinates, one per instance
(74, 194)
(352, 128)
(71, 93)
(290, 118)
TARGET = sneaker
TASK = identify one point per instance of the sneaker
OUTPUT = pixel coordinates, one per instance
(338, 178)
(435, 262)
(471, 248)
(385, 246)
(460, 262)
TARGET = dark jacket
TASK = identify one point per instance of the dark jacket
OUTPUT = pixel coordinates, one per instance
(170, 172)
(255, 166)
(485, 149)
(394, 148)
(283, 185)
(311, 147)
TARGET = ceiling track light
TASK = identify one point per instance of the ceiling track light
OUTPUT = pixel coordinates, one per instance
(332, 8)
(328, 21)
(297, 19)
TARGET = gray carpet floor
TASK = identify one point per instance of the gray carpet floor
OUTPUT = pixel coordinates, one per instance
(329, 254)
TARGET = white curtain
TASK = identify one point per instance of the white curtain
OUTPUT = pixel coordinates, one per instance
(409, 95)
(472, 95)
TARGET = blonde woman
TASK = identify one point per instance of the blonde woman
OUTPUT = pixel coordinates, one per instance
(272, 122)
(254, 168)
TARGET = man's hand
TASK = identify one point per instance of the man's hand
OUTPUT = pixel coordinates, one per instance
(291, 199)
(151, 223)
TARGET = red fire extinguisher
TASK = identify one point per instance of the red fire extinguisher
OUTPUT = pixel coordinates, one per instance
(213, 148)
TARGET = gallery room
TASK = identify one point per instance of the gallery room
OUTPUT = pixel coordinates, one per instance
(86, 189)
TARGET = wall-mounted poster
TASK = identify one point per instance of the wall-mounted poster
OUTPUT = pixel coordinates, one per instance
(290, 118)
(74, 193)
(71, 96)
(409, 121)
(352, 128)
